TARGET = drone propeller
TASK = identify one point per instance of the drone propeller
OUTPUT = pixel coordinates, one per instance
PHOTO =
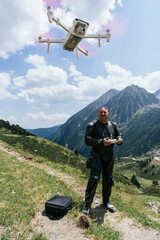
(108, 35)
(49, 13)
(42, 40)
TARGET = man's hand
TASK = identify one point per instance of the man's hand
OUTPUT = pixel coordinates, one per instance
(106, 142)
(120, 140)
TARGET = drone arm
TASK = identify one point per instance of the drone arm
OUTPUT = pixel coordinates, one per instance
(47, 40)
(55, 40)
(81, 50)
(95, 36)
(57, 21)
(99, 36)
(49, 14)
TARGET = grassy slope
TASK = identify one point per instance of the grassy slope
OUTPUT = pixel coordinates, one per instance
(24, 189)
(22, 186)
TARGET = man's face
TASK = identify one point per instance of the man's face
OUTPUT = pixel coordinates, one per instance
(103, 115)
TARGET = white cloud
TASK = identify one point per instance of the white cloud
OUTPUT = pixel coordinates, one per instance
(24, 21)
(151, 81)
(116, 77)
(12, 119)
(117, 71)
(5, 83)
(119, 78)
(45, 83)
(5, 80)
(36, 60)
(49, 84)
(120, 3)
(74, 73)
(95, 14)
(43, 75)
(46, 76)
(41, 119)
(19, 81)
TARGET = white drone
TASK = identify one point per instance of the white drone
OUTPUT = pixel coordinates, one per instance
(75, 34)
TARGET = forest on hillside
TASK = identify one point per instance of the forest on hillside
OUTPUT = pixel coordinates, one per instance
(16, 129)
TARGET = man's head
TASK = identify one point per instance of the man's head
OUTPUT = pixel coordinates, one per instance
(103, 114)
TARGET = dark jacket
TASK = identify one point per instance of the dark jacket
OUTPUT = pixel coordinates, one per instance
(96, 132)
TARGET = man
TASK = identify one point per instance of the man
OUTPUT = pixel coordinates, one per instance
(100, 135)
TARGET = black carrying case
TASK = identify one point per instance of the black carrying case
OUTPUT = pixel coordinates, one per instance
(58, 206)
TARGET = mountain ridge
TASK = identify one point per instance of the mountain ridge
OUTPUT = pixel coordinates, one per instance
(83, 114)
(44, 132)
(141, 132)
(122, 106)
(157, 94)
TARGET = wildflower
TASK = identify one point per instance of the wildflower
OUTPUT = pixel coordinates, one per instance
(13, 192)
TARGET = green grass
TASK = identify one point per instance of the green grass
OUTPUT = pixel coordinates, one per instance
(44, 149)
(102, 233)
(128, 200)
(24, 190)
(22, 186)
(134, 207)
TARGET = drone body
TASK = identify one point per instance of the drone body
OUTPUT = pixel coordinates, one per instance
(75, 34)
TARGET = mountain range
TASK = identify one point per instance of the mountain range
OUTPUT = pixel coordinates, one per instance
(141, 132)
(136, 112)
(157, 94)
(122, 106)
(44, 132)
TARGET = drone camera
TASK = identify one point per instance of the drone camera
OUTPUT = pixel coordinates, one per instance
(80, 27)
(80, 30)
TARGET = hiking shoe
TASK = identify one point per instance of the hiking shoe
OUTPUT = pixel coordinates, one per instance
(110, 207)
(85, 209)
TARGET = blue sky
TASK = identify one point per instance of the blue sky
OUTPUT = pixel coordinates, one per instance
(43, 90)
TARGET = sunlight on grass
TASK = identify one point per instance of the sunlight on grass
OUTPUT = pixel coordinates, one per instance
(24, 188)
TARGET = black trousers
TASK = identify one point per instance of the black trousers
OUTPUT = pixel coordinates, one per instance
(101, 163)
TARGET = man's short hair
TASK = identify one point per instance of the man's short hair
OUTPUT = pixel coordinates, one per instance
(103, 107)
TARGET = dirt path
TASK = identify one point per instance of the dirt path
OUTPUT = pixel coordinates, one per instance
(66, 227)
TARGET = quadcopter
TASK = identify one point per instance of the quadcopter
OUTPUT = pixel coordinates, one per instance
(75, 34)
